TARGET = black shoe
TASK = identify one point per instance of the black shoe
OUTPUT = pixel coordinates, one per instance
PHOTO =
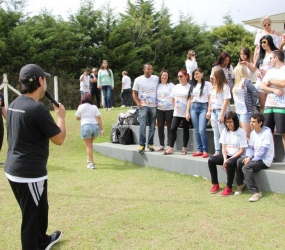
(55, 237)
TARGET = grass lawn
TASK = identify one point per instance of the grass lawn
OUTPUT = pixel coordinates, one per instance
(124, 206)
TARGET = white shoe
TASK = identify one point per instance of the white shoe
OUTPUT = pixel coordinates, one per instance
(123, 106)
(91, 165)
(255, 197)
(239, 189)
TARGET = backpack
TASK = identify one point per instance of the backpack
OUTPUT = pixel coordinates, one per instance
(126, 136)
(115, 133)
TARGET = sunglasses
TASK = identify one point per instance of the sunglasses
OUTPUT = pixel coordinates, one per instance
(193, 54)
(266, 24)
(263, 42)
(179, 76)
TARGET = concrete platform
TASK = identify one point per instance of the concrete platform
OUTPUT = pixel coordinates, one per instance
(268, 180)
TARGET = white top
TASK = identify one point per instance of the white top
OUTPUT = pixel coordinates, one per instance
(265, 65)
(234, 140)
(276, 39)
(217, 99)
(239, 99)
(87, 113)
(205, 93)
(127, 81)
(263, 139)
(180, 96)
(273, 100)
(146, 88)
(229, 72)
(191, 65)
(164, 101)
(84, 84)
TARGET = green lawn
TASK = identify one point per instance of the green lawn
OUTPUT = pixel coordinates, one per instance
(120, 205)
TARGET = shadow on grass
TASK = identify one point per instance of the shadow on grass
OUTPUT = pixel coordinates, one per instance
(119, 168)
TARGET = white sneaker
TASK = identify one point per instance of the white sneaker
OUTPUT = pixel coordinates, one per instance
(255, 197)
(239, 189)
(123, 106)
(91, 165)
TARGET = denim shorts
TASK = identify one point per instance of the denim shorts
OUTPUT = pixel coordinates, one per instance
(90, 130)
(244, 117)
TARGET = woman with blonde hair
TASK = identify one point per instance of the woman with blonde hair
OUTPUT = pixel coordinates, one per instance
(219, 102)
(266, 24)
(245, 97)
(191, 63)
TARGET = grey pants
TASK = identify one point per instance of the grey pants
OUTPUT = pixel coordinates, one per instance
(245, 172)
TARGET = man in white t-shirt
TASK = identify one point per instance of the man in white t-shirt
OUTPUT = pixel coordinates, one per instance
(259, 155)
(274, 84)
(144, 95)
(126, 90)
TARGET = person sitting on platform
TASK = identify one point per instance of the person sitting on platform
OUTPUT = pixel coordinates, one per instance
(259, 155)
(233, 139)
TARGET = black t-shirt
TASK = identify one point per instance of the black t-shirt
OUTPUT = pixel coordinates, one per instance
(29, 127)
(93, 86)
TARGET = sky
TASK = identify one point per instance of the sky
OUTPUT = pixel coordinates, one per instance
(210, 12)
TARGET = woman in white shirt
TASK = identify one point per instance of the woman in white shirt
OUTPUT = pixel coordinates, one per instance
(245, 59)
(266, 24)
(198, 108)
(191, 63)
(91, 125)
(233, 139)
(179, 96)
(245, 97)
(220, 100)
(164, 112)
(224, 63)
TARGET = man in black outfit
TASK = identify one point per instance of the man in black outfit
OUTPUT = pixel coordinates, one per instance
(29, 129)
(93, 87)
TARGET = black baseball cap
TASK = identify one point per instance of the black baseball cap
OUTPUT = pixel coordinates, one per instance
(32, 72)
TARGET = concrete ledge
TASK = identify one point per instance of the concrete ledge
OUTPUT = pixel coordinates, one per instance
(272, 179)
(192, 146)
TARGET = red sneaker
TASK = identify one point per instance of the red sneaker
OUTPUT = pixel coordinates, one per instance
(215, 188)
(198, 153)
(227, 191)
(205, 155)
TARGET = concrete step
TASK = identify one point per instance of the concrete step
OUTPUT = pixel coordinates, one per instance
(272, 179)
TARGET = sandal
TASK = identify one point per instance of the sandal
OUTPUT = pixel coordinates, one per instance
(166, 153)
(161, 148)
(184, 151)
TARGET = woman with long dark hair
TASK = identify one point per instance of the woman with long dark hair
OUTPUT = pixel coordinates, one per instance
(164, 112)
(224, 63)
(245, 58)
(233, 139)
(179, 96)
(106, 83)
(262, 65)
(91, 125)
(199, 109)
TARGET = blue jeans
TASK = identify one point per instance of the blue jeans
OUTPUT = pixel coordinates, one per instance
(198, 116)
(147, 114)
(217, 128)
(128, 93)
(107, 93)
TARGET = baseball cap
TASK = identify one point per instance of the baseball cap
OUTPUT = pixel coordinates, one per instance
(31, 72)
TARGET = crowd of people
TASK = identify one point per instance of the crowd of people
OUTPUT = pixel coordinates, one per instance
(243, 138)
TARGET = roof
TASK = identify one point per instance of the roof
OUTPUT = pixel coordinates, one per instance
(276, 24)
